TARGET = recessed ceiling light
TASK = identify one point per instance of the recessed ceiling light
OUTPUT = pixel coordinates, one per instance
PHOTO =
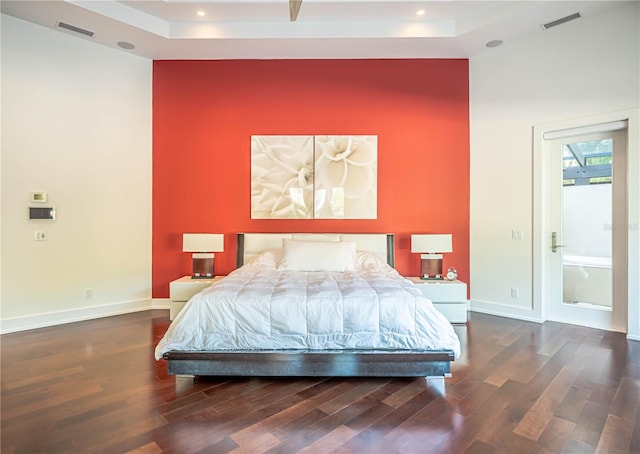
(126, 45)
(494, 43)
(420, 12)
(201, 13)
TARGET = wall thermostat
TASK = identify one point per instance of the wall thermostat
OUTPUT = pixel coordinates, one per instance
(38, 197)
(42, 213)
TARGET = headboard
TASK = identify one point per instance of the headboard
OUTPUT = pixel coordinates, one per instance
(251, 244)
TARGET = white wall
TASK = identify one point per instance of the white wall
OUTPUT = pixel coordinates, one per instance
(76, 123)
(582, 68)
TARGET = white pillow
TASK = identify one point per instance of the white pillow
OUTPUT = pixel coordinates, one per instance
(366, 260)
(269, 258)
(318, 255)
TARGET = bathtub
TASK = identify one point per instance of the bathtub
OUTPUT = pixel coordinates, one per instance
(587, 280)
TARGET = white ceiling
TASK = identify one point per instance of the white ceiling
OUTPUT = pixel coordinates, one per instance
(261, 29)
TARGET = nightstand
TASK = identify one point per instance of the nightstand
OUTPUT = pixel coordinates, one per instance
(449, 297)
(181, 290)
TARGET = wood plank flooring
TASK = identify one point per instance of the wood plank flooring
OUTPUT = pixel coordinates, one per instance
(94, 387)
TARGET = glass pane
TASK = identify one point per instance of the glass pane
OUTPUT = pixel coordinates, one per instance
(587, 162)
(587, 220)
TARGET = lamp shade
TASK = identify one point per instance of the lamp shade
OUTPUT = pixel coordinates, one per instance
(431, 243)
(203, 242)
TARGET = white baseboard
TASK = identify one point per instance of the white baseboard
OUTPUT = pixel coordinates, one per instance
(503, 310)
(41, 320)
(160, 303)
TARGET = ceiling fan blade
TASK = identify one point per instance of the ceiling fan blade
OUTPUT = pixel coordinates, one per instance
(294, 8)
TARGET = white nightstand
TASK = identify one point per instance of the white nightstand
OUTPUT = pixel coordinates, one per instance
(449, 297)
(181, 290)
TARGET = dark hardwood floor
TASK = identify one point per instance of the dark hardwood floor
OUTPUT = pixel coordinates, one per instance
(94, 387)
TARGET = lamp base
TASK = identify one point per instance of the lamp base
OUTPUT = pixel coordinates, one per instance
(202, 266)
(431, 267)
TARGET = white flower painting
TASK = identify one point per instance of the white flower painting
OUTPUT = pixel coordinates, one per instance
(281, 177)
(346, 177)
(323, 177)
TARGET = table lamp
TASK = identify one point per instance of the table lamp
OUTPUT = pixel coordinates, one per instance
(202, 245)
(431, 248)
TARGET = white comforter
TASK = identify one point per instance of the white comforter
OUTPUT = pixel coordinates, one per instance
(258, 307)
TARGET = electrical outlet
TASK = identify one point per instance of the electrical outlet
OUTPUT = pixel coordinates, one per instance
(88, 293)
(517, 235)
(515, 292)
(40, 235)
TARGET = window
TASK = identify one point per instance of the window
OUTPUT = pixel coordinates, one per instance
(587, 162)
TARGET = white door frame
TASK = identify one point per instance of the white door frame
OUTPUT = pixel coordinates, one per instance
(541, 245)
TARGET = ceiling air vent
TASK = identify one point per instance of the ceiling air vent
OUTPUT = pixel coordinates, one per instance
(73, 28)
(562, 20)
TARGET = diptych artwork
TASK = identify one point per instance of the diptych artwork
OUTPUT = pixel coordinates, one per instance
(321, 177)
(281, 177)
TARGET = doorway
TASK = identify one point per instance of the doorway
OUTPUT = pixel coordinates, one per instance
(587, 221)
(543, 137)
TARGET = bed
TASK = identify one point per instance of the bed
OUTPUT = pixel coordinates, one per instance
(345, 343)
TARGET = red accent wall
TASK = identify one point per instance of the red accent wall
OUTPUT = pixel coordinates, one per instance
(204, 113)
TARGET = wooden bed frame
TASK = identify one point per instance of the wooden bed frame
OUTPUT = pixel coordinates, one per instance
(432, 364)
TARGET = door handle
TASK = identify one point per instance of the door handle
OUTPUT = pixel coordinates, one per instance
(554, 242)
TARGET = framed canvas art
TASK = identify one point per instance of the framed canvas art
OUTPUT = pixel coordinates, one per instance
(321, 177)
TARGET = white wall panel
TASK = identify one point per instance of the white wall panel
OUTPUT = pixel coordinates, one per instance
(586, 67)
(76, 123)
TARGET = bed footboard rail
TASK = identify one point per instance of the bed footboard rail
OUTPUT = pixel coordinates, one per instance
(329, 363)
